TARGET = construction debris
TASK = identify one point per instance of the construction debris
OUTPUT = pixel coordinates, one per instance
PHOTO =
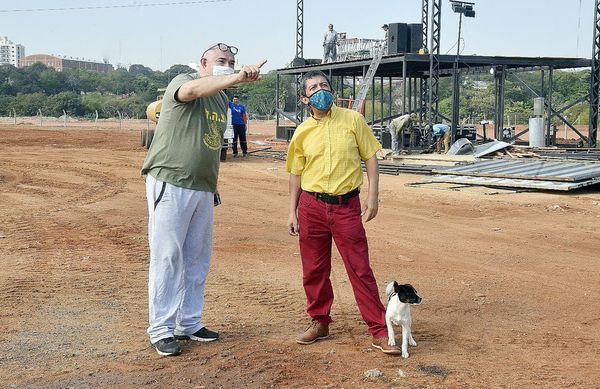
(522, 173)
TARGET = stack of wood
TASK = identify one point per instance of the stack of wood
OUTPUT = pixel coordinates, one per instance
(514, 152)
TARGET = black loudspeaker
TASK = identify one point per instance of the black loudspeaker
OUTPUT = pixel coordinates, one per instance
(386, 140)
(415, 37)
(397, 38)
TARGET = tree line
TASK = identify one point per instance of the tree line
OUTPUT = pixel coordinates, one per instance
(81, 93)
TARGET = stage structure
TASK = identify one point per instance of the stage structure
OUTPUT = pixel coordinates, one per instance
(418, 72)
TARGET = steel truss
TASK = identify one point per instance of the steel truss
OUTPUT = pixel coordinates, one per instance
(419, 76)
(299, 56)
(434, 62)
(595, 79)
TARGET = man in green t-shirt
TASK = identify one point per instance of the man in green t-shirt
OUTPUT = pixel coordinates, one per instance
(181, 171)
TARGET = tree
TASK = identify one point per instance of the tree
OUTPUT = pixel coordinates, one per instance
(28, 104)
(92, 102)
(67, 101)
(51, 81)
(7, 74)
(140, 70)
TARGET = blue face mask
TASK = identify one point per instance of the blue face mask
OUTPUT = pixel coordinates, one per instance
(321, 100)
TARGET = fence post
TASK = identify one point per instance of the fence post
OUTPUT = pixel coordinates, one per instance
(15, 115)
(120, 119)
(40, 113)
(96, 120)
(65, 116)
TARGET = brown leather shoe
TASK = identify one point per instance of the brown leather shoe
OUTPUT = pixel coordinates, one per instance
(382, 344)
(316, 331)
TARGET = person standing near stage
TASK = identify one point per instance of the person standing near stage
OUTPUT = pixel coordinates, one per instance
(324, 161)
(239, 121)
(330, 45)
(181, 171)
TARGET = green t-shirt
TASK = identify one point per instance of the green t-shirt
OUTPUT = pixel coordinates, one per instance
(187, 143)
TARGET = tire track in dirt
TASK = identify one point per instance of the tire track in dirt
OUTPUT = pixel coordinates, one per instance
(52, 236)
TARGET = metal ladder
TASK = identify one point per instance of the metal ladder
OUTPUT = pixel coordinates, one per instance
(368, 79)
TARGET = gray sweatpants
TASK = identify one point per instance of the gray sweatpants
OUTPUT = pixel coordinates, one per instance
(180, 227)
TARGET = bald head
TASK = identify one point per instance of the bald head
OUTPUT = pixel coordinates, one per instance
(215, 56)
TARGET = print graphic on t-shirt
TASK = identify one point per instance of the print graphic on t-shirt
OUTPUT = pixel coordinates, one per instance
(212, 138)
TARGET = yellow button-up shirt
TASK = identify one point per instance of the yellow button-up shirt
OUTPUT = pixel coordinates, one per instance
(326, 153)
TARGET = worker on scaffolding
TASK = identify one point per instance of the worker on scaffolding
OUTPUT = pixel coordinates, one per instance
(330, 45)
(397, 128)
(386, 29)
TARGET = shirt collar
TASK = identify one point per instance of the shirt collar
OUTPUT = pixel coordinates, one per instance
(329, 115)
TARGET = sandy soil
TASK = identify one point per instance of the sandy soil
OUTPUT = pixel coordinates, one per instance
(510, 281)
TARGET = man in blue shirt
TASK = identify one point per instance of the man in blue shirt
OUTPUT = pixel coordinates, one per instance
(441, 134)
(238, 120)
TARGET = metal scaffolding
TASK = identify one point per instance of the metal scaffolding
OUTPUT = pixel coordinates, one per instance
(595, 80)
(299, 57)
(419, 76)
(410, 71)
(425, 22)
(434, 63)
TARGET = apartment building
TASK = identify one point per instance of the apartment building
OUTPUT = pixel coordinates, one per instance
(60, 63)
(10, 53)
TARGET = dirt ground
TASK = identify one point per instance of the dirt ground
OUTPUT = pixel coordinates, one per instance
(510, 281)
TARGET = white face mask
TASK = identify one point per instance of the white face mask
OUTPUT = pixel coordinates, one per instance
(222, 70)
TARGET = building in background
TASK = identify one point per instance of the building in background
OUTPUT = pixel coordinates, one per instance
(60, 63)
(10, 53)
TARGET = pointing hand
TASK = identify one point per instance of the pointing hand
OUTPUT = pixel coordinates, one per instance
(250, 73)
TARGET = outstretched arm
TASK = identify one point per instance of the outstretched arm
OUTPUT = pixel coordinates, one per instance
(211, 85)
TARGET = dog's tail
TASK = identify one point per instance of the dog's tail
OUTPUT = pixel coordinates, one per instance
(389, 289)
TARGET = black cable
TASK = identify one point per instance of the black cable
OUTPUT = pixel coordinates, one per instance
(113, 6)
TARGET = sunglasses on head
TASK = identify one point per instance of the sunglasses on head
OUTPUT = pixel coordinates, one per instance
(223, 47)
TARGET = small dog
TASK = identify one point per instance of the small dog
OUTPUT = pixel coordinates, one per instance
(400, 298)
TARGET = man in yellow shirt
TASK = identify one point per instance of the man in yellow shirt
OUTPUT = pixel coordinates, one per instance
(324, 162)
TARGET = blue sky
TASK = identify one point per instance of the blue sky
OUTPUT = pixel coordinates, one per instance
(161, 36)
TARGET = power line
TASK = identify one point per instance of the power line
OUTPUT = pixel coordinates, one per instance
(114, 6)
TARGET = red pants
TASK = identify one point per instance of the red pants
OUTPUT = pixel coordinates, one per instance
(319, 222)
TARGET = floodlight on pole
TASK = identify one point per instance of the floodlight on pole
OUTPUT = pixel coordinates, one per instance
(461, 8)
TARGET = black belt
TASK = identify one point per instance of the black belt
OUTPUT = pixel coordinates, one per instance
(331, 199)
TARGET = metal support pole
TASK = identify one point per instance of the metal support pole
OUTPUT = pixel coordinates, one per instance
(299, 105)
(390, 96)
(425, 21)
(549, 115)
(403, 85)
(372, 100)
(416, 95)
(456, 87)
(499, 78)
(299, 29)
(410, 94)
(595, 80)
(277, 101)
(381, 115)
(434, 62)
